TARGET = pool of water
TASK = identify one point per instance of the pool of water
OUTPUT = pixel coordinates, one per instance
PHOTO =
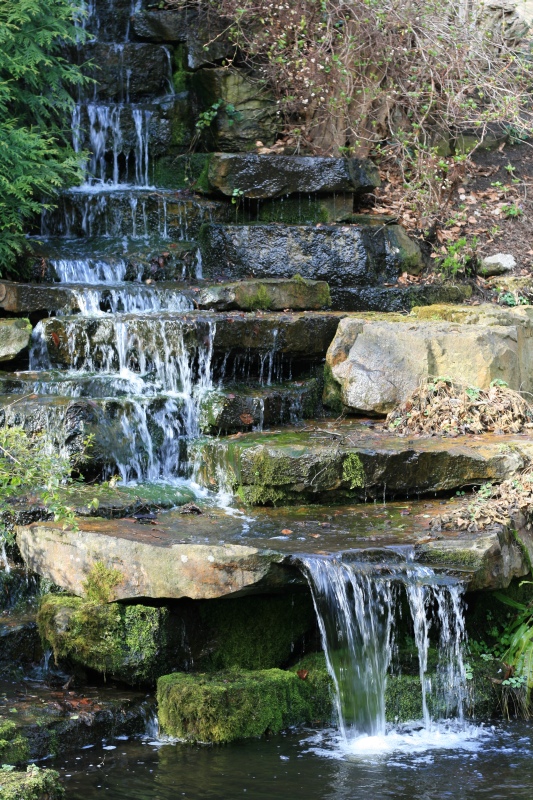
(488, 762)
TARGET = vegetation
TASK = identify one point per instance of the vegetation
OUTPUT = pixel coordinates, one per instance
(35, 105)
(28, 465)
(420, 83)
(34, 784)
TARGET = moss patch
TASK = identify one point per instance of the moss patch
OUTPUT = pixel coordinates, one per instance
(114, 639)
(352, 471)
(14, 748)
(224, 706)
(257, 632)
(35, 784)
(331, 396)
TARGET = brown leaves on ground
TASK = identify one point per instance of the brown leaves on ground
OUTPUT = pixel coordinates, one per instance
(444, 408)
(492, 505)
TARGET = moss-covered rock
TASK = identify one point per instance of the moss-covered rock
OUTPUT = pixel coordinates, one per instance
(128, 642)
(256, 632)
(14, 747)
(224, 706)
(34, 784)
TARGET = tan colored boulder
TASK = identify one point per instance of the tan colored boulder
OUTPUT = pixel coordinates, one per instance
(376, 361)
(14, 337)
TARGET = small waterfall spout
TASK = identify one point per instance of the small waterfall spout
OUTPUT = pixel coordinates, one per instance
(356, 604)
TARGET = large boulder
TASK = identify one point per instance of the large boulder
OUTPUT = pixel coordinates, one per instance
(266, 176)
(14, 337)
(376, 361)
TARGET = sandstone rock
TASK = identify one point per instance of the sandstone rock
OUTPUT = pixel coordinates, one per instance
(376, 361)
(497, 264)
(14, 337)
(253, 110)
(269, 176)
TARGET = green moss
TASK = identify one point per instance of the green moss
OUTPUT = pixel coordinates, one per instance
(261, 300)
(35, 784)
(352, 471)
(124, 641)
(101, 583)
(261, 495)
(183, 171)
(331, 396)
(316, 686)
(257, 632)
(14, 748)
(225, 706)
(467, 558)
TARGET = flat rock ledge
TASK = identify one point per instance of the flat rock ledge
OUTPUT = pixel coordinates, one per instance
(214, 555)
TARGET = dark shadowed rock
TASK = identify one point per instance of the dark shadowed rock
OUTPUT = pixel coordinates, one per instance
(274, 176)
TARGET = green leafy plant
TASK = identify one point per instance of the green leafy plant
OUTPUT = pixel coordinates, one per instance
(461, 258)
(36, 159)
(28, 466)
(517, 639)
(512, 210)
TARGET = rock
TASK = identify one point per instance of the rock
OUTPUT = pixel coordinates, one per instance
(227, 706)
(150, 567)
(396, 298)
(173, 215)
(273, 468)
(344, 256)
(261, 177)
(376, 361)
(94, 343)
(209, 556)
(266, 295)
(128, 72)
(497, 264)
(35, 784)
(14, 337)
(204, 39)
(247, 113)
(241, 407)
(132, 643)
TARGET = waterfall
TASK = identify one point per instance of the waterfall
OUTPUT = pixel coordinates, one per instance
(356, 604)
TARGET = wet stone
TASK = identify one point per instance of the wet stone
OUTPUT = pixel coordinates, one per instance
(14, 337)
(344, 256)
(130, 71)
(215, 555)
(261, 177)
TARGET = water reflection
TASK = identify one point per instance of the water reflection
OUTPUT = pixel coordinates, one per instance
(495, 763)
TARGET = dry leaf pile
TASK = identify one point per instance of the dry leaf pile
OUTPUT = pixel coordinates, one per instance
(492, 505)
(445, 408)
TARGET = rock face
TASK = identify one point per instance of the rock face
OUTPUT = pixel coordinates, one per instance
(376, 361)
(297, 466)
(261, 177)
(266, 295)
(149, 568)
(14, 337)
(344, 256)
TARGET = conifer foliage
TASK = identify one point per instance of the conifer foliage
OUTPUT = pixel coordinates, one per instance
(36, 77)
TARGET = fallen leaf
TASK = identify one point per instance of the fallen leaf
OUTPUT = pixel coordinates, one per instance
(246, 419)
(286, 532)
(302, 674)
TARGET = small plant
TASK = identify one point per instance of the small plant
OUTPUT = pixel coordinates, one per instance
(511, 211)
(460, 259)
(236, 196)
(206, 117)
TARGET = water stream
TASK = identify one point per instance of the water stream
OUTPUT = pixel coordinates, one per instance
(356, 604)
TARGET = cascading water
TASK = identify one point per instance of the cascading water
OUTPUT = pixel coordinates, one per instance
(355, 604)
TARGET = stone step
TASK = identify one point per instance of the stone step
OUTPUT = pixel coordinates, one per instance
(241, 407)
(134, 212)
(258, 177)
(215, 555)
(111, 259)
(138, 437)
(233, 344)
(331, 460)
(128, 297)
(346, 256)
(76, 384)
